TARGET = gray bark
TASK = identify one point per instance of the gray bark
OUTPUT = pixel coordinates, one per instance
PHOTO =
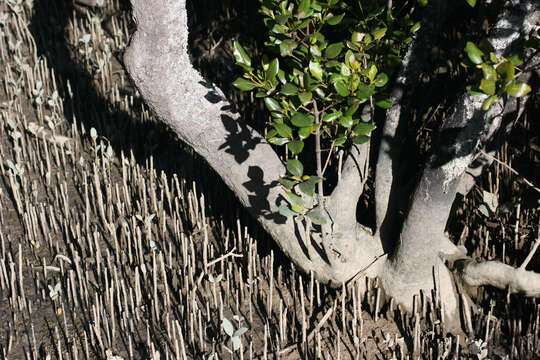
(465, 131)
(387, 190)
(198, 113)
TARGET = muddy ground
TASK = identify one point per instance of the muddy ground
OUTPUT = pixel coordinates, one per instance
(118, 243)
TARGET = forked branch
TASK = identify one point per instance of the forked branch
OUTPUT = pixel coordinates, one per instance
(463, 133)
(197, 112)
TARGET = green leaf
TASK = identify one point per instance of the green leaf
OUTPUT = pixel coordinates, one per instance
(296, 146)
(295, 167)
(351, 110)
(346, 121)
(278, 117)
(357, 36)
(340, 141)
(305, 97)
(281, 76)
(279, 29)
(335, 19)
(422, 3)
(372, 72)
(472, 3)
(333, 50)
(307, 187)
(316, 217)
(367, 39)
(282, 19)
(287, 46)
(295, 200)
(349, 58)
(416, 27)
(384, 103)
(518, 89)
(488, 86)
(489, 72)
(489, 102)
(316, 70)
(474, 53)
(271, 133)
(301, 120)
(303, 9)
(272, 104)
(283, 130)
(289, 89)
(273, 69)
(515, 60)
(309, 83)
(320, 93)
(360, 139)
(331, 116)
(364, 91)
(341, 88)
(303, 133)
(240, 54)
(345, 71)
(381, 80)
(243, 84)
(379, 33)
(364, 128)
(265, 63)
(315, 51)
(278, 141)
(506, 71)
(335, 77)
(286, 211)
(287, 183)
(473, 92)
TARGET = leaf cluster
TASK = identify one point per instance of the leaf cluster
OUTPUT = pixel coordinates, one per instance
(324, 61)
(495, 76)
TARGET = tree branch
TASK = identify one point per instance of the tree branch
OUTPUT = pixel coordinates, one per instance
(342, 203)
(195, 110)
(463, 132)
(462, 135)
(406, 83)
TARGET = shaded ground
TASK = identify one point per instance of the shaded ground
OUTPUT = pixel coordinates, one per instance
(118, 241)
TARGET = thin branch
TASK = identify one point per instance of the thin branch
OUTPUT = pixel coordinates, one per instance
(328, 157)
(223, 257)
(365, 268)
(531, 253)
(318, 154)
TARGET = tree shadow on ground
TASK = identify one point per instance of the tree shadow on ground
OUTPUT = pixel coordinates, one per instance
(123, 129)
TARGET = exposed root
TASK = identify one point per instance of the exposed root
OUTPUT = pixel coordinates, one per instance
(499, 275)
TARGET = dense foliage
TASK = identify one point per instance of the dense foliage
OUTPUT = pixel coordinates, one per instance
(325, 59)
